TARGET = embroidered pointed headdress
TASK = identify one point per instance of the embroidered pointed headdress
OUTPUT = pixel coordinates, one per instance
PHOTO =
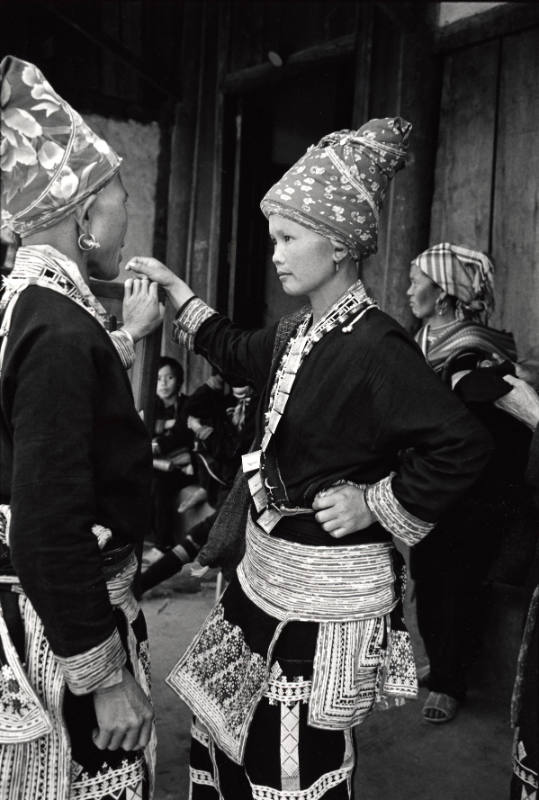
(50, 159)
(337, 188)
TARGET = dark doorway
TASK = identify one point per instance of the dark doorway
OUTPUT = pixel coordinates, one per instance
(266, 131)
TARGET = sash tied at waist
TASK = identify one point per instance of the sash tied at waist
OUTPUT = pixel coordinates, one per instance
(315, 583)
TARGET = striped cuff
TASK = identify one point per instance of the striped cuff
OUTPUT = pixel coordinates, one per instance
(394, 517)
(188, 321)
(87, 671)
(5, 520)
(125, 347)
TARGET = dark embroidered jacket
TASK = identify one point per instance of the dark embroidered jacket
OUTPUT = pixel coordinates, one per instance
(360, 400)
(74, 452)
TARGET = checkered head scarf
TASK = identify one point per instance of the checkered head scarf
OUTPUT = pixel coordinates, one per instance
(337, 188)
(467, 275)
(51, 160)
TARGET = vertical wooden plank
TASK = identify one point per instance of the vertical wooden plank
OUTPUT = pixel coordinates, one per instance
(405, 81)
(181, 159)
(461, 208)
(234, 228)
(363, 65)
(515, 239)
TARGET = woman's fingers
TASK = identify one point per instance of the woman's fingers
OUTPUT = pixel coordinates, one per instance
(144, 735)
(338, 533)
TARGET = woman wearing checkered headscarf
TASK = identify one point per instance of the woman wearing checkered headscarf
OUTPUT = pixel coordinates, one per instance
(452, 293)
(75, 714)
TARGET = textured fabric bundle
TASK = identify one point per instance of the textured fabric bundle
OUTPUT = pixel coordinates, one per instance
(51, 160)
(337, 188)
(467, 275)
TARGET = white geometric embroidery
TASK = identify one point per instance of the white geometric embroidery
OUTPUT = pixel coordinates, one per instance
(289, 747)
(315, 791)
(201, 777)
(113, 782)
(289, 692)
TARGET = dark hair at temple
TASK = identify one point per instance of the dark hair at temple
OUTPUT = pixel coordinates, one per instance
(175, 366)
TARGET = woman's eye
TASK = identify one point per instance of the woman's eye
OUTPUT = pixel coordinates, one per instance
(287, 239)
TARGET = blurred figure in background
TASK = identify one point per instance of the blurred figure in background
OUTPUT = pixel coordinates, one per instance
(171, 449)
(452, 293)
(223, 432)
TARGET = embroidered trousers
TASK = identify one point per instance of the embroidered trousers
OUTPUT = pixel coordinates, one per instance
(285, 759)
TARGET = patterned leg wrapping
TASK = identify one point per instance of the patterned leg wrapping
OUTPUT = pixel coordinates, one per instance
(285, 758)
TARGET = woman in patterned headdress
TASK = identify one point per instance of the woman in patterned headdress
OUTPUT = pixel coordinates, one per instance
(75, 467)
(309, 635)
(452, 293)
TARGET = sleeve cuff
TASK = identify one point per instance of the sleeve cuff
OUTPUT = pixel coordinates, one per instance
(188, 321)
(125, 347)
(393, 516)
(87, 671)
(5, 519)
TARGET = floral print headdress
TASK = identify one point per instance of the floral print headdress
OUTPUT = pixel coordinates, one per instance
(51, 160)
(337, 188)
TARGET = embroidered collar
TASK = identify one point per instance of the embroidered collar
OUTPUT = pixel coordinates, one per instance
(344, 313)
(43, 265)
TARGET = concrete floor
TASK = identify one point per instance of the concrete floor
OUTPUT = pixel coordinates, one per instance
(400, 756)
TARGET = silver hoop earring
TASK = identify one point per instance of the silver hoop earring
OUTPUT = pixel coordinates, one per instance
(87, 242)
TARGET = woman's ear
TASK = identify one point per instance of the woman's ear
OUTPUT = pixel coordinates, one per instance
(82, 216)
(340, 251)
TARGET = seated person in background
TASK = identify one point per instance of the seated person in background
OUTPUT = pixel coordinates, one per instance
(219, 437)
(171, 447)
(230, 434)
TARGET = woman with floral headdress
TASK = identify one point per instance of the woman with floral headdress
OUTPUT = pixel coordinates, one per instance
(76, 719)
(309, 635)
(452, 293)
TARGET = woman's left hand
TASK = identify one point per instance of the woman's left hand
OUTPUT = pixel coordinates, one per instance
(342, 510)
(141, 310)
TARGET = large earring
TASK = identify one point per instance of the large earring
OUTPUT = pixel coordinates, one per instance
(441, 306)
(87, 242)
(337, 264)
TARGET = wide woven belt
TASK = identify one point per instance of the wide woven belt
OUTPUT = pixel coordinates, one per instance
(317, 583)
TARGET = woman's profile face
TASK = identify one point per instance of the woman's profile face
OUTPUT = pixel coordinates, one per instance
(303, 259)
(423, 294)
(167, 384)
(108, 218)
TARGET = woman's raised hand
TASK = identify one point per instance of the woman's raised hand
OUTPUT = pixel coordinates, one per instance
(342, 509)
(142, 312)
(147, 267)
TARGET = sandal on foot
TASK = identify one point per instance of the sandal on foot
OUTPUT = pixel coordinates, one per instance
(445, 706)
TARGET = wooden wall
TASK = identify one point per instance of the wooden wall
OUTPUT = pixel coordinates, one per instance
(404, 80)
(487, 170)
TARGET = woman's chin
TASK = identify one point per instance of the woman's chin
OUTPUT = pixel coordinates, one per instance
(291, 291)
